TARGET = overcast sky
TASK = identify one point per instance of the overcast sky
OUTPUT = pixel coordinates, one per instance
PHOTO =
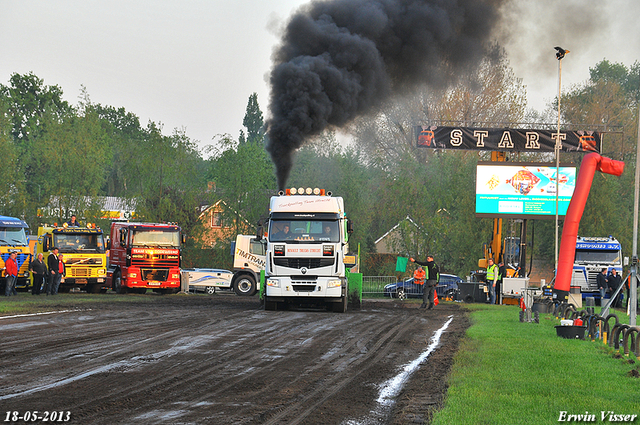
(192, 64)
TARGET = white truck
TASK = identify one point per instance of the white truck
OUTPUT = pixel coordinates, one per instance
(307, 243)
(248, 260)
(592, 255)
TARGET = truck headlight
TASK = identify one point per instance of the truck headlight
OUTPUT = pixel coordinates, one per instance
(273, 282)
(334, 283)
(133, 275)
(175, 276)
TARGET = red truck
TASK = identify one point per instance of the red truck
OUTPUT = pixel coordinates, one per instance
(144, 256)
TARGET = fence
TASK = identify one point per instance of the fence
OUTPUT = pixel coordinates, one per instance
(373, 286)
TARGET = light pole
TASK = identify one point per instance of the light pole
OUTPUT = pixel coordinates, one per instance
(559, 54)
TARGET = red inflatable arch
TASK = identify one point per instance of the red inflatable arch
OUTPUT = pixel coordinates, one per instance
(590, 163)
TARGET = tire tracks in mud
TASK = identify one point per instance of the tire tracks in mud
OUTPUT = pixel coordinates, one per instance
(223, 362)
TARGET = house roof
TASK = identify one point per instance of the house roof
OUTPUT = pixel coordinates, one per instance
(407, 218)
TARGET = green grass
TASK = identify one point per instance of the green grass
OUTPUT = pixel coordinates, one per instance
(25, 303)
(508, 372)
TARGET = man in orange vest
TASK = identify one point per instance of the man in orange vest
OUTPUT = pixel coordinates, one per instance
(418, 279)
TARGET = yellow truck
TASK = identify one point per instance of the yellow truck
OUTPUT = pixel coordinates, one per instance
(83, 252)
(13, 238)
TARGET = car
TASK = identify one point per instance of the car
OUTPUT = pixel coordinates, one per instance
(208, 280)
(446, 288)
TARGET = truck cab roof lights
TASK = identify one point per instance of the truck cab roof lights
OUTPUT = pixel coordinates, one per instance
(304, 191)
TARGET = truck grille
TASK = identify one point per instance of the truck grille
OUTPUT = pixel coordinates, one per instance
(159, 275)
(79, 271)
(298, 263)
(303, 288)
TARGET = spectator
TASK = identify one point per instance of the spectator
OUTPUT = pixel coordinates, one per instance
(614, 281)
(54, 274)
(11, 273)
(39, 270)
(603, 285)
(61, 274)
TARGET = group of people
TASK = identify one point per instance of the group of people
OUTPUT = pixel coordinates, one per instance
(46, 276)
(609, 284)
(428, 278)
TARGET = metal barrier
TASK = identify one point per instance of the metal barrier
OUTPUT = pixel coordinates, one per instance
(373, 286)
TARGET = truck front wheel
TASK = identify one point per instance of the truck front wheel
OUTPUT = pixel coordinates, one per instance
(340, 307)
(245, 285)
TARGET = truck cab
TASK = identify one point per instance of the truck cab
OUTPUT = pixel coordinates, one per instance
(84, 253)
(13, 238)
(592, 255)
(307, 244)
(145, 256)
(249, 259)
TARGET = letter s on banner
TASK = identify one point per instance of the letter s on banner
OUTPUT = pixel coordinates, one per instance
(456, 137)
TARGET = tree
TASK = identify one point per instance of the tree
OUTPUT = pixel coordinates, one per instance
(244, 180)
(253, 121)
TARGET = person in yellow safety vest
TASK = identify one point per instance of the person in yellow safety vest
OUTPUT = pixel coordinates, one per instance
(492, 278)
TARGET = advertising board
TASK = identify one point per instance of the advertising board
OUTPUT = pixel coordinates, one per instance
(522, 190)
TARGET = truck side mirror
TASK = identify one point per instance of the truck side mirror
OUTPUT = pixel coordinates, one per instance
(123, 237)
(184, 238)
(45, 243)
(108, 243)
(259, 233)
(349, 226)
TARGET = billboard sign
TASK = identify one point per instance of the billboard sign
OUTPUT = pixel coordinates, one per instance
(522, 190)
(505, 139)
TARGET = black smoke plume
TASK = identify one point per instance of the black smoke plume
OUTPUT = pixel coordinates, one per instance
(340, 59)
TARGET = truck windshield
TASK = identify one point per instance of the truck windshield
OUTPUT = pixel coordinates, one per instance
(156, 238)
(304, 231)
(597, 256)
(79, 242)
(13, 236)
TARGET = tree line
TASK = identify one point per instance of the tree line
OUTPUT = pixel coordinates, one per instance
(74, 153)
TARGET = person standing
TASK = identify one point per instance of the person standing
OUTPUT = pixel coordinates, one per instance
(418, 279)
(39, 270)
(73, 222)
(61, 274)
(603, 285)
(54, 267)
(502, 273)
(614, 281)
(432, 276)
(492, 279)
(11, 274)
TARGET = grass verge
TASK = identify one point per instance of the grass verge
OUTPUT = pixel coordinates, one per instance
(508, 372)
(25, 303)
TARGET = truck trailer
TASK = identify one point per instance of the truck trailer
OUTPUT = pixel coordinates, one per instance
(307, 242)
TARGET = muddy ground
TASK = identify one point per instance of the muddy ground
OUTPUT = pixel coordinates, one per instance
(221, 359)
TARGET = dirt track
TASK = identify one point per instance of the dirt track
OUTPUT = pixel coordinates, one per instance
(222, 359)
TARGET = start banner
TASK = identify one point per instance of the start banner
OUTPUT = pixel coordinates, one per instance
(505, 139)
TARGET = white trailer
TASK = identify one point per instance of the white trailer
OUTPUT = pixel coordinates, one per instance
(208, 279)
(306, 247)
